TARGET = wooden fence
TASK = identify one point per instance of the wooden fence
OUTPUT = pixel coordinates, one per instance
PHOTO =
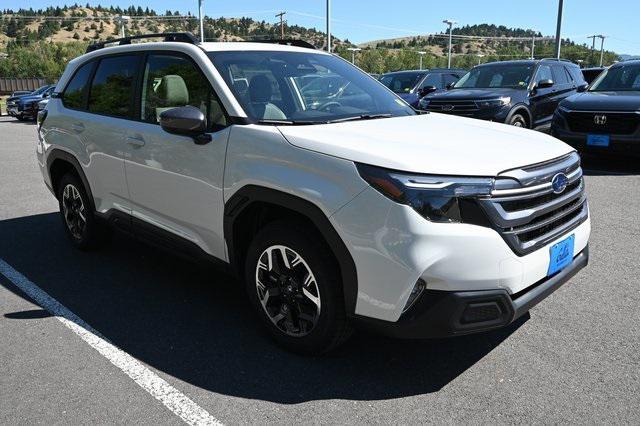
(9, 85)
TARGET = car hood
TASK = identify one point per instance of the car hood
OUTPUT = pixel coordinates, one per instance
(430, 143)
(29, 98)
(603, 101)
(475, 94)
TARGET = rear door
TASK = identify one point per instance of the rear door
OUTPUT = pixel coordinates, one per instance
(563, 83)
(174, 184)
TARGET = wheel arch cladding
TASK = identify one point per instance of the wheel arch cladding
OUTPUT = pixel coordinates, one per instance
(245, 210)
(59, 163)
(522, 110)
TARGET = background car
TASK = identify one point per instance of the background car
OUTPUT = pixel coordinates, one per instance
(522, 93)
(606, 118)
(413, 85)
(26, 106)
(590, 74)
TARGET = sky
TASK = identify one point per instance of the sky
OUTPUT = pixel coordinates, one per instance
(365, 20)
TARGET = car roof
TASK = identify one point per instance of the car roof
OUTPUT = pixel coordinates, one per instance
(426, 70)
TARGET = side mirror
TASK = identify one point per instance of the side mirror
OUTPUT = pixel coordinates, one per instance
(426, 90)
(582, 88)
(543, 84)
(186, 121)
(450, 86)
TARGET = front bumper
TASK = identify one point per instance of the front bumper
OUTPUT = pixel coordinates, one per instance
(618, 144)
(450, 313)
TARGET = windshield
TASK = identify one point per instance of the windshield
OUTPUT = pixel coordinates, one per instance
(40, 90)
(512, 76)
(401, 82)
(620, 78)
(304, 88)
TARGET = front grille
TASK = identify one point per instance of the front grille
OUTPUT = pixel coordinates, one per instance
(526, 211)
(616, 123)
(458, 107)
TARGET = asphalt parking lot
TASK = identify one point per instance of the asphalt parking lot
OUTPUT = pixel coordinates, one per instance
(574, 359)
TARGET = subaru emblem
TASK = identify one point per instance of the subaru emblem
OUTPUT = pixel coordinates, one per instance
(559, 183)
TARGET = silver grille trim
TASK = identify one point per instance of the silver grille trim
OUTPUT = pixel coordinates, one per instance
(527, 213)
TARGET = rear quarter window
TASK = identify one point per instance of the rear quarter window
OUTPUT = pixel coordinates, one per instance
(74, 94)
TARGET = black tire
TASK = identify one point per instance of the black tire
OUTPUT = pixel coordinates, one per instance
(518, 120)
(89, 235)
(332, 327)
(20, 117)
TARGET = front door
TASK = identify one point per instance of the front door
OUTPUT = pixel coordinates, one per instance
(174, 184)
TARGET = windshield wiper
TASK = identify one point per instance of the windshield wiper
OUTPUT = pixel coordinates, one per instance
(359, 117)
(289, 122)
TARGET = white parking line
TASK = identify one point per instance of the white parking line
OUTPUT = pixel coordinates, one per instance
(169, 396)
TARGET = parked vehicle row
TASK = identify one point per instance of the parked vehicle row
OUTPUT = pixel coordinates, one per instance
(334, 200)
(25, 106)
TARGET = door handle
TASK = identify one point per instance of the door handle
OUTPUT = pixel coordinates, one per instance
(135, 141)
(77, 127)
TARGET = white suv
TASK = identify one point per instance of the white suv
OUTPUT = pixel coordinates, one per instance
(332, 199)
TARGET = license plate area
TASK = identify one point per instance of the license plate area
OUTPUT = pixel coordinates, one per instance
(598, 140)
(561, 255)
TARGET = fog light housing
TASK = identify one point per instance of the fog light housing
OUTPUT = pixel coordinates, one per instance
(417, 290)
(481, 312)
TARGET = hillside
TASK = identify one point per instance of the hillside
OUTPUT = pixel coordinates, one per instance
(88, 23)
(39, 43)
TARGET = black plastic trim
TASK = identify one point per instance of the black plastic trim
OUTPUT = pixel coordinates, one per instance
(438, 313)
(250, 194)
(58, 154)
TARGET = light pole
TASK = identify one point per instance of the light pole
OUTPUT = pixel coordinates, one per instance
(559, 29)
(451, 23)
(201, 19)
(601, 37)
(533, 45)
(122, 19)
(421, 55)
(353, 51)
(593, 47)
(480, 56)
(329, 26)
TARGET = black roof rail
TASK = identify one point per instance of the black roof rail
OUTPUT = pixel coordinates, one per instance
(556, 59)
(184, 37)
(288, 42)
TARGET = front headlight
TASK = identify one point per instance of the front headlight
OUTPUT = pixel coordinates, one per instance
(436, 198)
(492, 103)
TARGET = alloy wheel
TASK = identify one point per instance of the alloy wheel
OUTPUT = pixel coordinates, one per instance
(73, 211)
(287, 290)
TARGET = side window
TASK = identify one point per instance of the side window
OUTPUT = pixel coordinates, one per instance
(73, 96)
(450, 78)
(433, 79)
(113, 84)
(173, 81)
(559, 75)
(544, 73)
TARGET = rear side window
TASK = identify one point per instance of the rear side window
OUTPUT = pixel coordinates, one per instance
(559, 75)
(73, 96)
(576, 75)
(113, 86)
(544, 73)
(450, 79)
(433, 79)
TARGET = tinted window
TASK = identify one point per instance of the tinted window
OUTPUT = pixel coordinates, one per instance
(73, 96)
(559, 75)
(619, 78)
(450, 79)
(173, 81)
(514, 76)
(544, 73)
(401, 82)
(112, 87)
(434, 80)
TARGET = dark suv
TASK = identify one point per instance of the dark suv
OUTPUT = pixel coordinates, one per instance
(523, 93)
(606, 118)
(25, 107)
(413, 85)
